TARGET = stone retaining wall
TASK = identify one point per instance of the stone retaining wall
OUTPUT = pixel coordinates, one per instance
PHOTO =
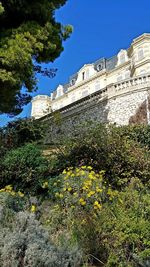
(115, 104)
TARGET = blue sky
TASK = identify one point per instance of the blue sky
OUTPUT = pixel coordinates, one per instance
(101, 29)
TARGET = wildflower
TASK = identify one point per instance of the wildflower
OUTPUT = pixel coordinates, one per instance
(13, 193)
(91, 193)
(83, 167)
(33, 208)
(70, 189)
(61, 195)
(75, 194)
(97, 205)
(64, 189)
(89, 168)
(8, 188)
(64, 172)
(45, 185)
(82, 201)
(99, 190)
(20, 194)
(2, 190)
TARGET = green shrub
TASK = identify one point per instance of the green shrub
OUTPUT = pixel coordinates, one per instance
(106, 148)
(24, 168)
(20, 132)
(138, 133)
(118, 234)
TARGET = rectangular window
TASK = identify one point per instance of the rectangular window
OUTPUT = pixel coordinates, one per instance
(122, 59)
(87, 74)
(83, 76)
(140, 54)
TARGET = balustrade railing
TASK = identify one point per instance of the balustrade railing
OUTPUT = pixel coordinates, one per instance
(132, 82)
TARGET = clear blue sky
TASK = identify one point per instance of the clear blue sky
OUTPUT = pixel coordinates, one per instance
(101, 29)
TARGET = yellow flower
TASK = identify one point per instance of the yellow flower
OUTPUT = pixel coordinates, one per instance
(84, 187)
(75, 194)
(91, 193)
(8, 187)
(45, 185)
(55, 184)
(13, 193)
(20, 194)
(64, 189)
(69, 189)
(83, 167)
(98, 190)
(97, 205)
(56, 194)
(82, 201)
(61, 195)
(2, 190)
(89, 168)
(64, 172)
(82, 172)
(33, 208)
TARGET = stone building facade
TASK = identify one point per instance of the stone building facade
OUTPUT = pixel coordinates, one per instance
(114, 90)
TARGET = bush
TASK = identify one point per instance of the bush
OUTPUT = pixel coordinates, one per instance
(109, 149)
(24, 168)
(118, 234)
(20, 132)
(138, 133)
(23, 241)
(26, 243)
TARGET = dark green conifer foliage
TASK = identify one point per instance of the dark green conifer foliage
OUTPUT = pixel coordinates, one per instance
(29, 36)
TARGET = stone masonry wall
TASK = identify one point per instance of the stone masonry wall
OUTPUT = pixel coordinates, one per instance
(119, 108)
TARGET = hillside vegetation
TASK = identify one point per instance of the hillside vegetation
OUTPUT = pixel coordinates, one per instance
(83, 201)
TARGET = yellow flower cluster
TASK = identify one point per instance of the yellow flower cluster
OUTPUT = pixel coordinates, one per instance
(82, 187)
(45, 185)
(97, 205)
(33, 208)
(82, 201)
(9, 189)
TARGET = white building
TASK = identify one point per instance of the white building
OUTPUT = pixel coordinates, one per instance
(127, 64)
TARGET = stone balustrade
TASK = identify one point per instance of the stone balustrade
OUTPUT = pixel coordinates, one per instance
(129, 85)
